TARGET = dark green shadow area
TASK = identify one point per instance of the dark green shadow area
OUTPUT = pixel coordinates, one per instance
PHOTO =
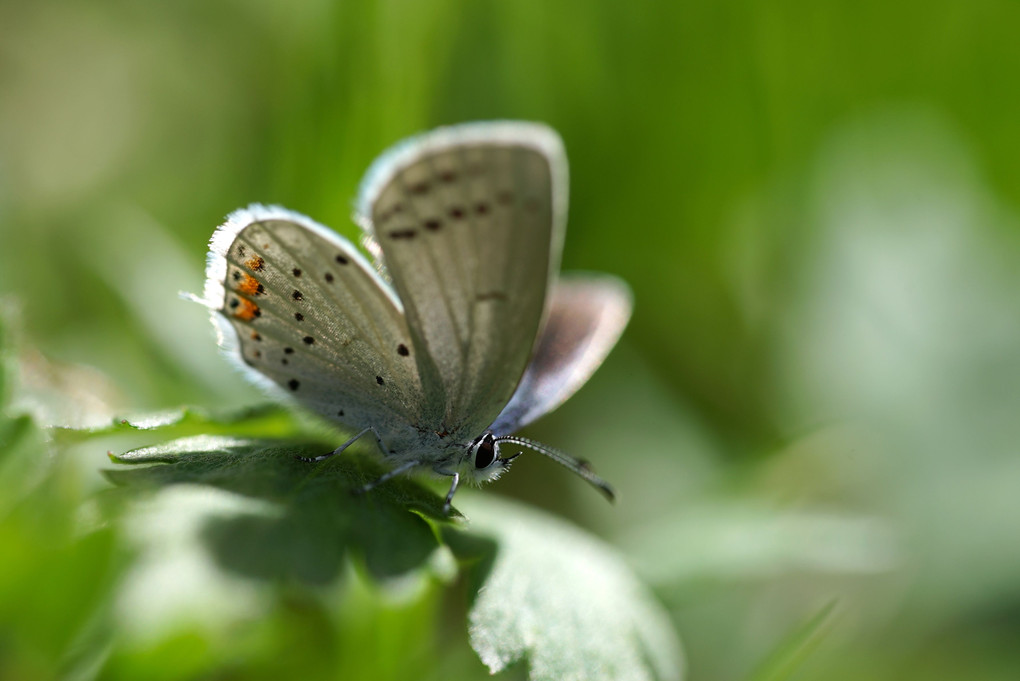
(312, 518)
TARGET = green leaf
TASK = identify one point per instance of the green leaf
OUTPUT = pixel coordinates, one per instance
(214, 515)
(287, 519)
(268, 420)
(560, 599)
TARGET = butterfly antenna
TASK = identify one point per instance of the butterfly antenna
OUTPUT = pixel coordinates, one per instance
(578, 466)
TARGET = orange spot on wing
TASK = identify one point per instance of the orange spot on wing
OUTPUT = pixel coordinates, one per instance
(249, 286)
(247, 310)
(256, 264)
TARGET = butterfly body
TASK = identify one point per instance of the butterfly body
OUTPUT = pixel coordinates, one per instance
(457, 335)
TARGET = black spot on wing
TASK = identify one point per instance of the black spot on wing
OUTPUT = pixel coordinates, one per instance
(402, 233)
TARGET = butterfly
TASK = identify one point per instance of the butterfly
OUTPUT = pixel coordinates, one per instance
(456, 335)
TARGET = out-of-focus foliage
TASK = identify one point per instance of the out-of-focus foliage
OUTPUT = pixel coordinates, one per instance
(811, 419)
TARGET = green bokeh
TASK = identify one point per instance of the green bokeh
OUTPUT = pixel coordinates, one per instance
(815, 204)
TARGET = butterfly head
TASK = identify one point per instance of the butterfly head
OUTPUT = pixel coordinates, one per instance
(485, 461)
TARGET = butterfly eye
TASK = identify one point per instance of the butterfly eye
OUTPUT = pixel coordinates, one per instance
(485, 452)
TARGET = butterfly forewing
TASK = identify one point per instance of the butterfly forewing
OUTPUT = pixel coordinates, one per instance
(469, 221)
(310, 315)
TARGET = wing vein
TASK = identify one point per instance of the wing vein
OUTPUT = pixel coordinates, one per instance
(371, 328)
(469, 277)
(271, 309)
(401, 181)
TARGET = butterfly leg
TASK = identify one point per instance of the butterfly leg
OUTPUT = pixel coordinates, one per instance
(453, 488)
(399, 470)
(313, 459)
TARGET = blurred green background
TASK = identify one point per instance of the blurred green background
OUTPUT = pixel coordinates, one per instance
(815, 203)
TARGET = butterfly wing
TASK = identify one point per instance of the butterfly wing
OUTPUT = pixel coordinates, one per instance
(297, 303)
(469, 221)
(586, 316)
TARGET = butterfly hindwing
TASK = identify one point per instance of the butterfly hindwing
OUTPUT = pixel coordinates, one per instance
(586, 315)
(470, 221)
(299, 305)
